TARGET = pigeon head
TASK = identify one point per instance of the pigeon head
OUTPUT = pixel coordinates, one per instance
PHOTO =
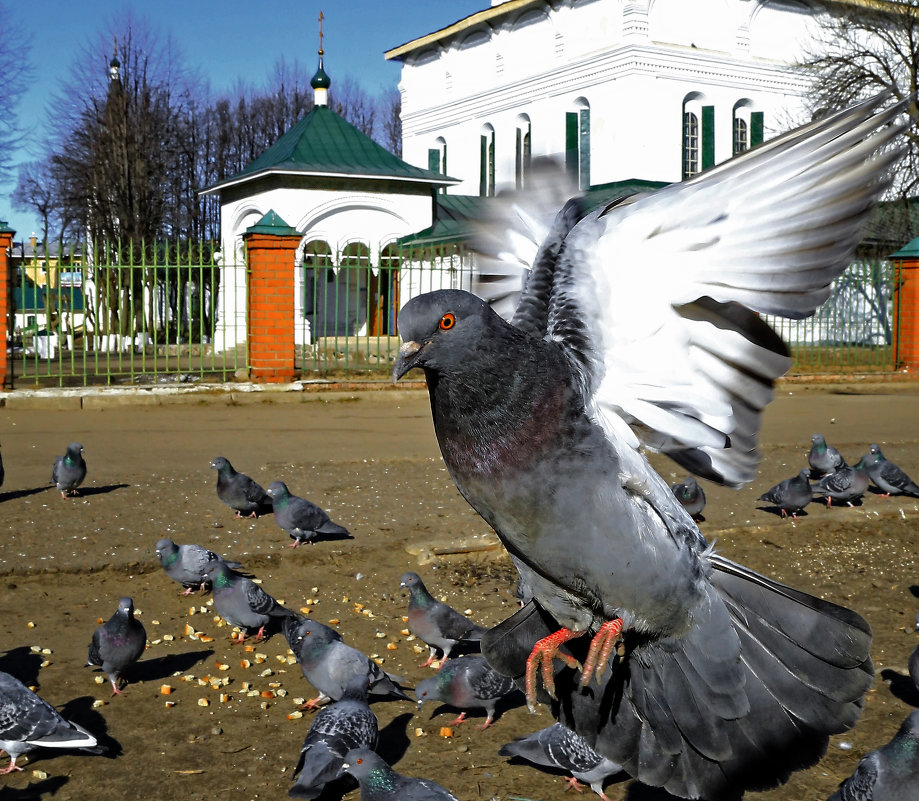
(430, 689)
(165, 548)
(126, 606)
(819, 441)
(218, 574)
(220, 464)
(410, 580)
(74, 450)
(875, 450)
(277, 489)
(362, 762)
(438, 330)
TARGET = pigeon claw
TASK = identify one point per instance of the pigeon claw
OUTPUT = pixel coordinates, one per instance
(601, 648)
(573, 784)
(541, 656)
(10, 768)
(460, 719)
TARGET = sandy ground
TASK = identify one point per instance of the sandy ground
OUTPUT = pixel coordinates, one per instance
(372, 461)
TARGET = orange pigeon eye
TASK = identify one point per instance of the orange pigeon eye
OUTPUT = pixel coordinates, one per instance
(447, 321)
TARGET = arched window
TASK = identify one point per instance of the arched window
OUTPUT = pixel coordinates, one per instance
(487, 161)
(317, 272)
(748, 126)
(698, 135)
(437, 158)
(577, 143)
(523, 149)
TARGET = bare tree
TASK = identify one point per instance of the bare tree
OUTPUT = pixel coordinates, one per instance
(349, 100)
(390, 116)
(16, 71)
(861, 50)
(35, 192)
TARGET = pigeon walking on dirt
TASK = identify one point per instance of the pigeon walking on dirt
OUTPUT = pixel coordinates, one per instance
(891, 773)
(239, 491)
(69, 470)
(301, 518)
(466, 682)
(187, 564)
(379, 782)
(434, 622)
(791, 495)
(846, 485)
(242, 602)
(690, 494)
(346, 724)
(558, 747)
(118, 643)
(639, 325)
(28, 722)
(329, 664)
(822, 458)
(887, 476)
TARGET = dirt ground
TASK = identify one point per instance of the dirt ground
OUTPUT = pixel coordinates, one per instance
(372, 461)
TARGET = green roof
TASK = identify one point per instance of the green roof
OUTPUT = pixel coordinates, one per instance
(909, 251)
(272, 223)
(323, 144)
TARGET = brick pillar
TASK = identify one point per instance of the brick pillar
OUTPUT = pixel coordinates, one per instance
(906, 308)
(6, 290)
(271, 246)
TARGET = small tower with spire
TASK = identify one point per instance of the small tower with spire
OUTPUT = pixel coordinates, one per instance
(320, 82)
(114, 66)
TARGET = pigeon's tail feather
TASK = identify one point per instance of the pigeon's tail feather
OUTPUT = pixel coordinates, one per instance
(333, 529)
(750, 693)
(474, 634)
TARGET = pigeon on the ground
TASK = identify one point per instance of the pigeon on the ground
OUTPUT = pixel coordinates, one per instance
(301, 518)
(887, 477)
(823, 458)
(346, 724)
(187, 564)
(118, 643)
(891, 773)
(847, 484)
(379, 782)
(690, 494)
(639, 325)
(329, 664)
(466, 682)
(69, 470)
(558, 747)
(790, 495)
(28, 722)
(242, 602)
(434, 622)
(239, 491)
(913, 667)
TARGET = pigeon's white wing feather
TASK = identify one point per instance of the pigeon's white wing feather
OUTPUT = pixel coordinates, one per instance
(655, 300)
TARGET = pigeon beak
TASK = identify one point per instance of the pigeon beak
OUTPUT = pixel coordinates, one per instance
(408, 355)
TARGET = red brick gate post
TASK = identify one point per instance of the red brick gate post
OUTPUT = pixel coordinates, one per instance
(6, 284)
(906, 307)
(271, 245)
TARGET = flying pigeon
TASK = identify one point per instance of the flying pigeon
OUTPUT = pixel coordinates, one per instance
(379, 782)
(301, 518)
(187, 564)
(559, 747)
(690, 494)
(847, 484)
(118, 643)
(346, 724)
(28, 722)
(639, 325)
(790, 495)
(69, 470)
(329, 664)
(434, 622)
(240, 492)
(888, 478)
(242, 602)
(466, 682)
(822, 458)
(891, 773)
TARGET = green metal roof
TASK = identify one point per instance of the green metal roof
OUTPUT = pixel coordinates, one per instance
(909, 251)
(323, 144)
(272, 223)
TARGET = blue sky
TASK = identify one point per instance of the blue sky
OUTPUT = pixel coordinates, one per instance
(227, 40)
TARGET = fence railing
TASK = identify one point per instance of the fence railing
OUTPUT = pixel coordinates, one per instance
(119, 316)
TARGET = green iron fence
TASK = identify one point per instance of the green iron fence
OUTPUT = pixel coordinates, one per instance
(159, 314)
(347, 304)
(853, 332)
(109, 314)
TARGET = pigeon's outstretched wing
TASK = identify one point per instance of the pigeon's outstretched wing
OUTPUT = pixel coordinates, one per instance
(655, 299)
